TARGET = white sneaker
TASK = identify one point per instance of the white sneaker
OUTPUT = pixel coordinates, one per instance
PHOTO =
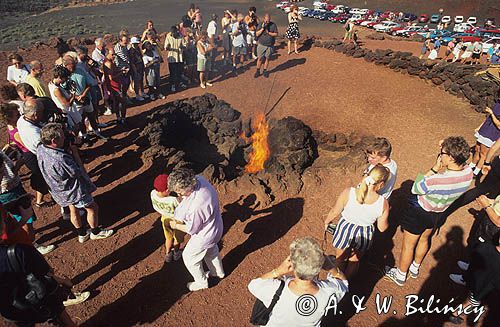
(104, 233)
(254, 56)
(108, 112)
(79, 298)
(458, 279)
(193, 286)
(44, 249)
(209, 84)
(139, 98)
(203, 86)
(161, 96)
(463, 265)
(84, 238)
(209, 274)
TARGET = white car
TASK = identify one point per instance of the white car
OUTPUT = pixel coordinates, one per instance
(472, 20)
(281, 4)
(410, 29)
(355, 11)
(446, 20)
(302, 10)
(463, 27)
(366, 22)
(338, 9)
(494, 42)
(319, 4)
(385, 26)
(357, 17)
(459, 19)
(364, 11)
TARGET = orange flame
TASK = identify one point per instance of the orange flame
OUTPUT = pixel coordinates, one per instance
(260, 147)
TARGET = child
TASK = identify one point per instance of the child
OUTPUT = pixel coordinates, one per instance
(359, 208)
(379, 152)
(165, 205)
(486, 136)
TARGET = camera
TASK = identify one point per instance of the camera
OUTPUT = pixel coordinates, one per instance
(70, 86)
(92, 64)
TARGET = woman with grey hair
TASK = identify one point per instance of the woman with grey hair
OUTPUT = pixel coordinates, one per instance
(305, 299)
(200, 213)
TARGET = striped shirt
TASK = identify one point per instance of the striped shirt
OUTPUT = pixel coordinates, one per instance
(121, 60)
(437, 192)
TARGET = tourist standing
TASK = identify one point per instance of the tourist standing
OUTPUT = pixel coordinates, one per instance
(476, 52)
(149, 29)
(137, 68)
(456, 50)
(239, 33)
(226, 24)
(449, 49)
(432, 193)
(122, 61)
(151, 60)
(379, 151)
(292, 32)
(266, 34)
(18, 72)
(99, 53)
(113, 77)
(175, 45)
(34, 79)
(199, 210)
(69, 183)
(252, 21)
(204, 47)
(487, 134)
(425, 47)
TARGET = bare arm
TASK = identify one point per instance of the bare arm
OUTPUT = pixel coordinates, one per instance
(339, 206)
(383, 221)
(66, 102)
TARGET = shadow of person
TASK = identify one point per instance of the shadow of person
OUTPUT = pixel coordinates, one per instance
(144, 303)
(288, 64)
(265, 230)
(437, 285)
(306, 45)
(236, 211)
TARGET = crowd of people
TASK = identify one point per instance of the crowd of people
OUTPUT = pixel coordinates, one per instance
(47, 123)
(458, 51)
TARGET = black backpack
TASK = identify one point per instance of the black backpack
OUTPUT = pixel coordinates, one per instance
(33, 293)
(261, 313)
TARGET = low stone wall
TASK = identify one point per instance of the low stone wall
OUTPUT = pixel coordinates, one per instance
(455, 78)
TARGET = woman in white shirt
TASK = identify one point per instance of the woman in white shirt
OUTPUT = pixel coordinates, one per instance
(18, 72)
(359, 208)
(62, 98)
(305, 299)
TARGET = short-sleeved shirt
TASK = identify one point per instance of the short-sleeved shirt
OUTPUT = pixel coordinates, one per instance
(488, 129)
(38, 85)
(238, 40)
(29, 134)
(67, 181)
(121, 60)
(200, 211)
(212, 29)
(164, 206)
(175, 46)
(291, 309)
(386, 191)
(478, 48)
(30, 260)
(266, 39)
(99, 56)
(82, 80)
(437, 192)
(17, 75)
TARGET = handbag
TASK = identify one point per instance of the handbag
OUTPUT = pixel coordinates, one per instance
(34, 292)
(260, 313)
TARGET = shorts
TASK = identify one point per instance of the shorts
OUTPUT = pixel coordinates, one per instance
(85, 108)
(416, 220)
(74, 117)
(264, 51)
(226, 42)
(251, 38)
(466, 54)
(484, 140)
(204, 65)
(349, 235)
(171, 234)
(84, 202)
(476, 55)
(240, 51)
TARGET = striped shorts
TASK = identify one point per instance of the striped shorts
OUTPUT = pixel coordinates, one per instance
(349, 235)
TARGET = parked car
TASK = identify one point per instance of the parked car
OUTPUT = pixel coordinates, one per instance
(424, 18)
(464, 37)
(435, 18)
(342, 18)
(368, 21)
(472, 20)
(459, 19)
(435, 33)
(409, 17)
(319, 4)
(485, 33)
(463, 27)
(355, 11)
(327, 15)
(385, 26)
(303, 11)
(394, 31)
(446, 19)
(340, 9)
(319, 13)
(281, 4)
(372, 24)
(494, 42)
(357, 17)
(409, 31)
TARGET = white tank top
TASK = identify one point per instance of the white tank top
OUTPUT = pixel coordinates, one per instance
(362, 214)
(52, 88)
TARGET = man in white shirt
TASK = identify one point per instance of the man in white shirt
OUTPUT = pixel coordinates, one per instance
(99, 53)
(239, 32)
(379, 152)
(213, 36)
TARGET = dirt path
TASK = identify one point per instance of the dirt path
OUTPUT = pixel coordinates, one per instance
(329, 92)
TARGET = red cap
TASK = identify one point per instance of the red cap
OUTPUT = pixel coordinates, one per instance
(161, 183)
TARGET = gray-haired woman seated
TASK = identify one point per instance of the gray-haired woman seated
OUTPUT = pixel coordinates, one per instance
(305, 298)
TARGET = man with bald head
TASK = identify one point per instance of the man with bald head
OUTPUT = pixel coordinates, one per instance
(34, 79)
(29, 127)
(99, 53)
(266, 33)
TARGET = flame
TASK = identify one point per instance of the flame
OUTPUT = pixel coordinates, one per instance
(260, 147)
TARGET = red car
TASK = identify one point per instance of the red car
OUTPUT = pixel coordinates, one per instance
(393, 30)
(340, 18)
(370, 25)
(424, 18)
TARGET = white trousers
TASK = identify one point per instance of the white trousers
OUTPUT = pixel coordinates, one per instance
(193, 258)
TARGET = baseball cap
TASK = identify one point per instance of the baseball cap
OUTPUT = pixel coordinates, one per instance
(161, 183)
(135, 40)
